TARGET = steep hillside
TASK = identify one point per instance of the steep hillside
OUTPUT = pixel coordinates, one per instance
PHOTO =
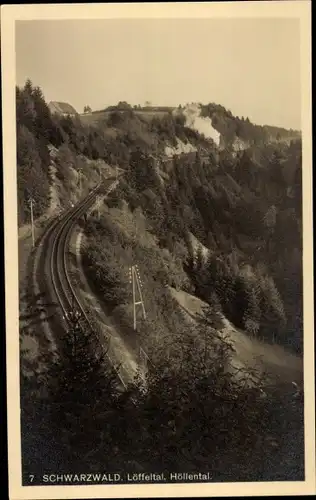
(209, 207)
(234, 202)
(249, 217)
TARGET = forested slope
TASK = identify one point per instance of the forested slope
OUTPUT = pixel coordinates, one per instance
(248, 214)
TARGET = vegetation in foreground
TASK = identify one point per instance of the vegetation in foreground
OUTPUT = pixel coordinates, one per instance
(193, 416)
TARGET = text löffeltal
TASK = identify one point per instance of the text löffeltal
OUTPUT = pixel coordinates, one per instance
(143, 476)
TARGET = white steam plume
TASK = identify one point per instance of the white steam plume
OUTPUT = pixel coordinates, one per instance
(203, 125)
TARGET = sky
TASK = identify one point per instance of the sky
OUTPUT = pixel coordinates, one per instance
(250, 66)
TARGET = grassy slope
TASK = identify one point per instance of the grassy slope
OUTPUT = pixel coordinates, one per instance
(250, 352)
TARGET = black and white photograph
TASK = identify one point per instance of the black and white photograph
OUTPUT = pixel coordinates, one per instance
(158, 213)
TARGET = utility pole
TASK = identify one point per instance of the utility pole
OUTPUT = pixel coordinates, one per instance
(135, 229)
(79, 173)
(32, 221)
(98, 205)
(137, 285)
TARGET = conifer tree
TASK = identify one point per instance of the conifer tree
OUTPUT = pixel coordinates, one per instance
(82, 394)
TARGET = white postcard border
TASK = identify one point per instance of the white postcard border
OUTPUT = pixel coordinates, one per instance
(9, 14)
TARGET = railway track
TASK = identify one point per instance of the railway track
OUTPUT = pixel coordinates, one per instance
(63, 288)
(70, 305)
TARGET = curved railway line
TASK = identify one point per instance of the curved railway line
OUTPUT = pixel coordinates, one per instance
(58, 235)
(63, 288)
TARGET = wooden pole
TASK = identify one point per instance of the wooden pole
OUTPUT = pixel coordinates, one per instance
(32, 223)
(80, 180)
(140, 293)
(98, 205)
(134, 298)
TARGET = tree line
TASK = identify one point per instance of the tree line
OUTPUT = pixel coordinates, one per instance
(231, 127)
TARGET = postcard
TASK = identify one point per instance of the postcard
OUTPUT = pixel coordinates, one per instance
(158, 238)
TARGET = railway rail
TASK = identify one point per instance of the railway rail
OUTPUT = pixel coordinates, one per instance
(63, 288)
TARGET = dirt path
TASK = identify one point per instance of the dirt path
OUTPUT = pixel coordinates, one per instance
(35, 310)
(32, 317)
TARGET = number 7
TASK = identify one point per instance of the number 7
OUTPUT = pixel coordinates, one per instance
(31, 477)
